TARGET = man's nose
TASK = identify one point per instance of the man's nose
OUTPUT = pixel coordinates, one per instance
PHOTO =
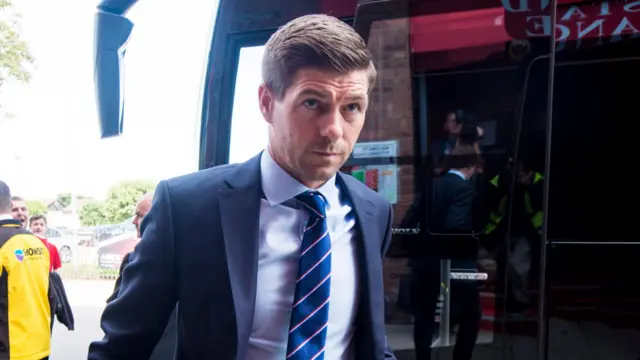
(331, 125)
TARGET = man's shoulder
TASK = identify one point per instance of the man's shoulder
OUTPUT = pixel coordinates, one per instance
(356, 185)
(7, 234)
(451, 186)
(201, 180)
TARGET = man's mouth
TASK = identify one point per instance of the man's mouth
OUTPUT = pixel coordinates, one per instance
(326, 153)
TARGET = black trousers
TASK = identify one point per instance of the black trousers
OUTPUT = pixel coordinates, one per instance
(465, 311)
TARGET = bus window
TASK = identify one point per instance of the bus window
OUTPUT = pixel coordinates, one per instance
(248, 128)
(593, 150)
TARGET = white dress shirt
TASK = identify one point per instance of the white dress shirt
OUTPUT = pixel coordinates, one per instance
(281, 228)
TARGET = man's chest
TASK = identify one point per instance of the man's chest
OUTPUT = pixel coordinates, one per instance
(280, 236)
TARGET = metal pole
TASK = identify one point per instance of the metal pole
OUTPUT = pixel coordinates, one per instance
(445, 278)
(542, 321)
(71, 70)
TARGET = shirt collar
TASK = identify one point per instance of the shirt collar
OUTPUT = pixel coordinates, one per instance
(278, 186)
(6, 217)
(459, 173)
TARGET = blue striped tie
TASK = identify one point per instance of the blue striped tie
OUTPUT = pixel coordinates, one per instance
(310, 313)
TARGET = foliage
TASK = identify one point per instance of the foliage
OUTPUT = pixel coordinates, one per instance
(14, 53)
(92, 213)
(36, 207)
(122, 198)
(119, 205)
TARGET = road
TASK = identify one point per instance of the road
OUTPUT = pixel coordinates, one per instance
(87, 299)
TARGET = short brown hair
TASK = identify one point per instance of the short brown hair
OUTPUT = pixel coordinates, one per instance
(313, 41)
(37, 217)
(462, 156)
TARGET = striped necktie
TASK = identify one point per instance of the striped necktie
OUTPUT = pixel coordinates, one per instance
(310, 309)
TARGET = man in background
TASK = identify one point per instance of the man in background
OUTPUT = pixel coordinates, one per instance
(448, 215)
(38, 226)
(142, 208)
(19, 211)
(165, 348)
(25, 267)
(460, 128)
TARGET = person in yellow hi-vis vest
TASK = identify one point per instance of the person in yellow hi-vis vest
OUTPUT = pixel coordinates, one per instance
(526, 226)
(25, 297)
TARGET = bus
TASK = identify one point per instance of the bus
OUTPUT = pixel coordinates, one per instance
(551, 84)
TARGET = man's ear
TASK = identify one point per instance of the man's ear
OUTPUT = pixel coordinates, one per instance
(266, 100)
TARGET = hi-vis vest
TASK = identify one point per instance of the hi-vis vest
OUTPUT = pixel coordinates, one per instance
(25, 313)
(496, 216)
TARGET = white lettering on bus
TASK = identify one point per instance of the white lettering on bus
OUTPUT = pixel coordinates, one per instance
(576, 22)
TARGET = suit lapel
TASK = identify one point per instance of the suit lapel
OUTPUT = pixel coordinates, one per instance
(240, 215)
(368, 229)
(369, 244)
(361, 204)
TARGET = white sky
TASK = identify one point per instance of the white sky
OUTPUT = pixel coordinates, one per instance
(165, 64)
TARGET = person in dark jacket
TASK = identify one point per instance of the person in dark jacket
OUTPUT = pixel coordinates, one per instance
(61, 307)
(166, 347)
(142, 208)
(446, 219)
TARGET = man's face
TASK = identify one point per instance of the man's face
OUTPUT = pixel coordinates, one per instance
(39, 227)
(142, 208)
(525, 176)
(451, 126)
(20, 212)
(315, 125)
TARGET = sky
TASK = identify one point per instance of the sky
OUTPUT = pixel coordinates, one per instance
(54, 145)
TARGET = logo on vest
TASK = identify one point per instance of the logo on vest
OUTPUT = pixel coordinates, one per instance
(19, 254)
(29, 254)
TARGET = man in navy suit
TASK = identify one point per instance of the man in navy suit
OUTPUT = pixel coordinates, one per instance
(279, 257)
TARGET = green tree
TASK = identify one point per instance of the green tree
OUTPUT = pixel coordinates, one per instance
(36, 207)
(92, 213)
(122, 198)
(14, 53)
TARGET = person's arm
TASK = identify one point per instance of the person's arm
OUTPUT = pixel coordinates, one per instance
(116, 286)
(388, 353)
(136, 319)
(55, 258)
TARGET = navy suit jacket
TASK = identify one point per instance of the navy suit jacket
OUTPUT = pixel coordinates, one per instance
(200, 248)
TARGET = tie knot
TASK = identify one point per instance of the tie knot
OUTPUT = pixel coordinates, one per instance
(314, 202)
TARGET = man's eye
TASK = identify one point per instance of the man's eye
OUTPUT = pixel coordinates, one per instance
(311, 103)
(353, 107)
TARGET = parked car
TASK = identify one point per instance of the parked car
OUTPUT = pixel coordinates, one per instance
(65, 243)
